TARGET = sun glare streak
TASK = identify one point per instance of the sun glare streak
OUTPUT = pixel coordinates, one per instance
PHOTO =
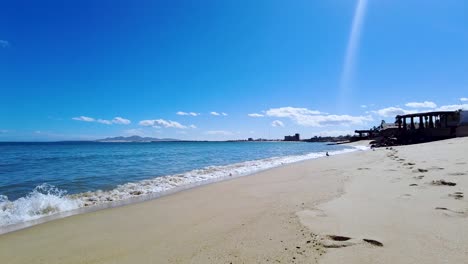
(351, 50)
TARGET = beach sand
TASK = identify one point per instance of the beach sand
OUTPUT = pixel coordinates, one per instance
(382, 206)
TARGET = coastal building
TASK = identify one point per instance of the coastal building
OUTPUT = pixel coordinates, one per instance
(365, 134)
(296, 137)
(429, 126)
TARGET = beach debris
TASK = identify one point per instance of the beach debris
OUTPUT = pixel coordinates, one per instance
(443, 182)
(373, 242)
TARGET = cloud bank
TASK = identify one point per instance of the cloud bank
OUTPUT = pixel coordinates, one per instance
(256, 115)
(117, 120)
(313, 118)
(158, 123)
(187, 113)
(425, 104)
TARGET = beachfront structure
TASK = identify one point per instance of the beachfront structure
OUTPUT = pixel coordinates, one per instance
(364, 134)
(296, 137)
(429, 126)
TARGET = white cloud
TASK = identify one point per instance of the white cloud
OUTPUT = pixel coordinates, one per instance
(453, 107)
(116, 120)
(256, 115)
(313, 118)
(363, 106)
(393, 111)
(277, 123)
(121, 121)
(193, 126)
(290, 112)
(4, 44)
(106, 122)
(187, 113)
(218, 114)
(84, 119)
(161, 122)
(425, 104)
(219, 132)
(464, 99)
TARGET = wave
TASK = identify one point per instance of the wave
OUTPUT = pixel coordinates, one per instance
(46, 200)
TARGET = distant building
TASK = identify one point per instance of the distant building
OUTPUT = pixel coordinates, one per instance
(296, 137)
(250, 139)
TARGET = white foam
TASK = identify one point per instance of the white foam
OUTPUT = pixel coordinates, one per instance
(46, 200)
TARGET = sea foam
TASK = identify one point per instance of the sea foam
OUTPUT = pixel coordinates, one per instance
(47, 200)
(44, 200)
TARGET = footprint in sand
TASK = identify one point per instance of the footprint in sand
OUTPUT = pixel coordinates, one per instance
(409, 164)
(436, 168)
(413, 184)
(450, 212)
(363, 169)
(420, 170)
(443, 183)
(336, 241)
(419, 177)
(457, 174)
(373, 242)
(405, 196)
(457, 195)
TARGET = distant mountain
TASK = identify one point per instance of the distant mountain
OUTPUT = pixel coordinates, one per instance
(135, 139)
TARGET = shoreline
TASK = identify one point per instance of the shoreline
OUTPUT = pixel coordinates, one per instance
(361, 207)
(158, 194)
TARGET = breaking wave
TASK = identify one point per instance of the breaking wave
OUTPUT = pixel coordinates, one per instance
(46, 199)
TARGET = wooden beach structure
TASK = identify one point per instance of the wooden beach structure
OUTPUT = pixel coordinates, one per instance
(429, 126)
(417, 128)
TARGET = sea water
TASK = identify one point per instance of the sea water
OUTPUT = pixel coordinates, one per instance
(43, 179)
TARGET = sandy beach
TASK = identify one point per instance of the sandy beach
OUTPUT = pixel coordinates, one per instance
(399, 205)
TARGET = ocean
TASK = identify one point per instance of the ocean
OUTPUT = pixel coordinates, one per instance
(43, 179)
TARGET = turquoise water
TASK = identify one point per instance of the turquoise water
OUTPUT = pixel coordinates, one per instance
(38, 179)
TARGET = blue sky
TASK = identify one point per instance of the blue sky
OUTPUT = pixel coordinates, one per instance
(92, 69)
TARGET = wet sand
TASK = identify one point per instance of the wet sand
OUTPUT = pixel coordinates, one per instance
(383, 206)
